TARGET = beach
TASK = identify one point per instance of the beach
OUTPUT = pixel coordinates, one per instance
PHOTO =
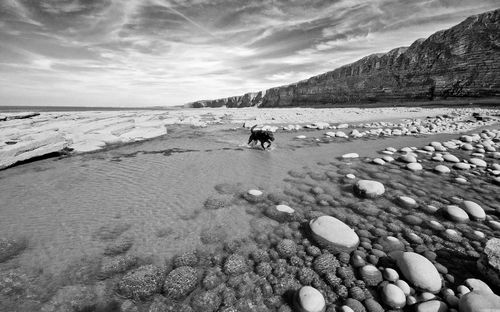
(173, 211)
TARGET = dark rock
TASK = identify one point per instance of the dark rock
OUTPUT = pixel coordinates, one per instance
(180, 282)
(10, 248)
(142, 282)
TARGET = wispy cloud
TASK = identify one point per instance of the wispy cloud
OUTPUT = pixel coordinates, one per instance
(168, 52)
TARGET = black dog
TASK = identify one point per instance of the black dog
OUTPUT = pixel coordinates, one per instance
(262, 136)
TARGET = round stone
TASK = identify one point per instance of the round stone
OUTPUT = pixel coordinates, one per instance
(255, 192)
(369, 188)
(408, 158)
(404, 286)
(442, 169)
(456, 213)
(309, 299)
(300, 137)
(478, 162)
(350, 155)
(432, 306)
(333, 234)
(378, 161)
(393, 296)
(350, 176)
(390, 275)
(475, 211)
(461, 166)
(408, 202)
(414, 166)
(451, 158)
(419, 271)
(285, 208)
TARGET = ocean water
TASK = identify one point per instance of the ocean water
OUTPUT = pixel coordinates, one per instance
(154, 194)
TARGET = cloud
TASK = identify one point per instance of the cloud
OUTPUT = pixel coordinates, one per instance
(169, 52)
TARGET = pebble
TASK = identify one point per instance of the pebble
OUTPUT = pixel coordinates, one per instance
(462, 290)
(407, 201)
(350, 176)
(451, 158)
(432, 306)
(414, 166)
(333, 234)
(390, 275)
(408, 158)
(378, 161)
(419, 271)
(350, 155)
(255, 192)
(404, 286)
(461, 166)
(285, 208)
(495, 225)
(393, 296)
(309, 299)
(300, 137)
(388, 159)
(475, 211)
(456, 214)
(461, 180)
(442, 169)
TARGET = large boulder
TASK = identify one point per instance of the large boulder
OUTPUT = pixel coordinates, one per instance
(368, 188)
(333, 234)
(418, 271)
(478, 301)
(489, 262)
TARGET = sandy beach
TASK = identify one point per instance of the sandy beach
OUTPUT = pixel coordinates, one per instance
(174, 211)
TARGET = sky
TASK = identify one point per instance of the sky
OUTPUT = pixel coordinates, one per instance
(171, 52)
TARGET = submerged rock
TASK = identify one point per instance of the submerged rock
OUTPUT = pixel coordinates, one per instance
(72, 298)
(10, 248)
(333, 234)
(180, 282)
(369, 188)
(142, 282)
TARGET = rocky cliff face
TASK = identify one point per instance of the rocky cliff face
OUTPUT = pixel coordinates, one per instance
(463, 61)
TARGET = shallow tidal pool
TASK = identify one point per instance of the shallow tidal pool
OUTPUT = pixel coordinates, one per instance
(181, 200)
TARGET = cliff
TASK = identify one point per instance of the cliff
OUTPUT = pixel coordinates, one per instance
(463, 61)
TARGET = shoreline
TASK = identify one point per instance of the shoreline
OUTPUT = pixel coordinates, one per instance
(26, 137)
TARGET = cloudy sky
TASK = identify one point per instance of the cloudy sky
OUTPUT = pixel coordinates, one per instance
(169, 52)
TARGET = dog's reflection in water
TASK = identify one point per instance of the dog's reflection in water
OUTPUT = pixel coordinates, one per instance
(261, 136)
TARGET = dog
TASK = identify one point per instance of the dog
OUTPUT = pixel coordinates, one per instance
(262, 136)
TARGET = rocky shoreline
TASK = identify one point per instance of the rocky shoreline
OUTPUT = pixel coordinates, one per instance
(30, 136)
(392, 233)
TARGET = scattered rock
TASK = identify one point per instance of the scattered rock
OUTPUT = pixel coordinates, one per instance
(180, 282)
(419, 271)
(432, 306)
(368, 188)
(309, 299)
(456, 214)
(142, 282)
(333, 234)
(393, 296)
(475, 211)
(350, 155)
(442, 169)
